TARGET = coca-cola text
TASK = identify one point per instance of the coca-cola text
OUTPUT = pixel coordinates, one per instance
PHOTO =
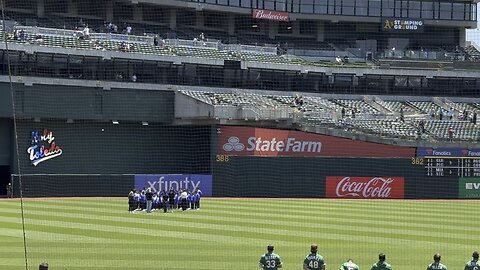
(364, 187)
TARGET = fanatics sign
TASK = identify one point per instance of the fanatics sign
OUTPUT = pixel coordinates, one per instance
(270, 15)
(365, 187)
(250, 141)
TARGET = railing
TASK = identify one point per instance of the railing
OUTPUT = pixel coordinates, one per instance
(252, 48)
(217, 45)
(251, 112)
(422, 55)
(192, 43)
(33, 30)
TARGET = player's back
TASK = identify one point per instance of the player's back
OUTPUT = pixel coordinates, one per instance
(270, 261)
(472, 265)
(381, 265)
(349, 266)
(314, 261)
(436, 266)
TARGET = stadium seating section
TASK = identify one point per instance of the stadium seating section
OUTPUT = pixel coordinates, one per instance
(390, 118)
(379, 117)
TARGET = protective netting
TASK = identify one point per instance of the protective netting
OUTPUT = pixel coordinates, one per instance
(266, 106)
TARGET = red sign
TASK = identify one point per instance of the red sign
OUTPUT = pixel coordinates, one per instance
(364, 187)
(270, 15)
(250, 141)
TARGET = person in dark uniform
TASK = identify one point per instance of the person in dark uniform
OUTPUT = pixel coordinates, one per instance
(473, 264)
(43, 266)
(165, 203)
(436, 265)
(131, 200)
(381, 264)
(171, 198)
(149, 198)
(198, 196)
(9, 190)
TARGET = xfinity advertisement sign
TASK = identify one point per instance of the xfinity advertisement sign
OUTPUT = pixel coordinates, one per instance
(166, 182)
(469, 188)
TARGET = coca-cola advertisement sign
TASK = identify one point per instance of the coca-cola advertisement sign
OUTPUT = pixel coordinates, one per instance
(372, 187)
(270, 15)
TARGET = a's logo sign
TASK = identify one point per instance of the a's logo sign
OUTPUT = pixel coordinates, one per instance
(233, 144)
(43, 147)
(388, 24)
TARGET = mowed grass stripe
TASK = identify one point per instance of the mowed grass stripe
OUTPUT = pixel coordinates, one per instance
(367, 205)
(103, 231)
(347, 230)
(183, 219)
(369, 234)
(414, 217)
(395, 214)
(293, 227)
(355, 206)
(335, 244)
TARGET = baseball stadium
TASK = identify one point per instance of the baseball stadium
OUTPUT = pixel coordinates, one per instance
(239, 134)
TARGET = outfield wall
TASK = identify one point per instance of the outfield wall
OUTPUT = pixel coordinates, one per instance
(300, 177)
(258, 162)
(101, 159)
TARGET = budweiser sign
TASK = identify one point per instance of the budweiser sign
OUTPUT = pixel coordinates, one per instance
(270, 15)
(365, 187)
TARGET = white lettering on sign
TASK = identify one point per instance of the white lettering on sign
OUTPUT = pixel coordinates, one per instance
(376, 187)
(289, 144)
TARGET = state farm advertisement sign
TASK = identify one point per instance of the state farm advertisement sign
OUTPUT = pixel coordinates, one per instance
(270, 15)
(374, 187)
(250, 141)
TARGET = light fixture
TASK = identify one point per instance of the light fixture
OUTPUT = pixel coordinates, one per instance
(254, 26)
(36, 119)
(144, 123)
(69, 121)
(115, 122)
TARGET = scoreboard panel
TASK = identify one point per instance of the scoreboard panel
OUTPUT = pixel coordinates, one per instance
(459, 162)
(451, 166)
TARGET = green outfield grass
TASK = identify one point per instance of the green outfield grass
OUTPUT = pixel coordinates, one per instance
(232, 234)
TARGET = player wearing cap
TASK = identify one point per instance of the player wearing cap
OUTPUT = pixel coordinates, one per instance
(270, 260)
(473, 263)
(9, 191)
(349, 265)
(149, 198)
(436, 265)
(381, 264)
(313, 260)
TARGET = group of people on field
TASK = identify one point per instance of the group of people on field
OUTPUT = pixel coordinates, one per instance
(272, 261)
(147, 200)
